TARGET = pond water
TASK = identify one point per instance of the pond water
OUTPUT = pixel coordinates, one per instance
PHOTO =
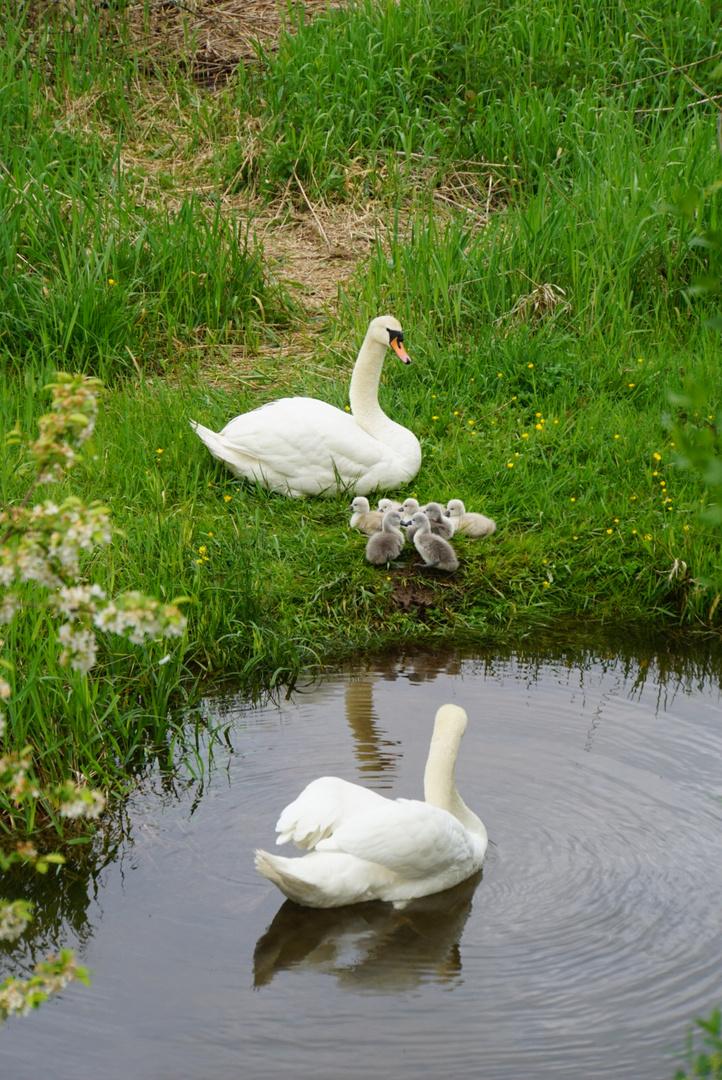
(584, 949)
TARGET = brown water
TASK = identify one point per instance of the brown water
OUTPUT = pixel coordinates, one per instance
(588, 944)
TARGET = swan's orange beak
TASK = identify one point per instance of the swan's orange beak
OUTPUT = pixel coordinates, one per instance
(400, 351)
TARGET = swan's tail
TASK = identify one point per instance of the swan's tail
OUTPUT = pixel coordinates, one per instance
(280, 872)
(215, 442)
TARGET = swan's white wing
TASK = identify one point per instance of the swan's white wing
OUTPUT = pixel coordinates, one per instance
(412, 838)
(322, 807)
(303, 436)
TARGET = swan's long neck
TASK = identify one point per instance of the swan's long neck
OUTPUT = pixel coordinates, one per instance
(439, 783)
(364, 395)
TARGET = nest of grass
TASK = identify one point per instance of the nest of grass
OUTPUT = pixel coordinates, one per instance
(542, 302)
(211, 38)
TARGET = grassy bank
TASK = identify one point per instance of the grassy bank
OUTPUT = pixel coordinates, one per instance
(520, 167)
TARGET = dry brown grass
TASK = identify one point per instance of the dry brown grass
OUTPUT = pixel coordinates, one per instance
(211, 37)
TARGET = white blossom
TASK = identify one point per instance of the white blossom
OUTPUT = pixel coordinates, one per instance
(70, 599)
(8, 606)
(13, 920)
(79, 647)
(89, 804)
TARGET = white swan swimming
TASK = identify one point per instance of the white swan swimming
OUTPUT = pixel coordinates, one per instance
(363, 846)
(302, 446)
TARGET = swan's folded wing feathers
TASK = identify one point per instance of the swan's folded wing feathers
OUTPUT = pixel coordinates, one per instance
(411, 838)
(284, 434)
(322, 807)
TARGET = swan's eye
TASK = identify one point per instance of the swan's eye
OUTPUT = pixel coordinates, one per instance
(396, 335)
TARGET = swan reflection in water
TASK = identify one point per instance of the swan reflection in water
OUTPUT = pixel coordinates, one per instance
(370, 947)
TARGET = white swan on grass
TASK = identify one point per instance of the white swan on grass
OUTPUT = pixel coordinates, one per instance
(303, 446)
(363, 846)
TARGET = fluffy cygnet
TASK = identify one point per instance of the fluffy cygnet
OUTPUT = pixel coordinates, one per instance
(471, 525)
(409, 507)
(440, 524)
(363, 518)
(388, 504)
(386, 545)
(436, 552)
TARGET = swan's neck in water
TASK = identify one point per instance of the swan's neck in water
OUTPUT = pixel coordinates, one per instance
(440, 785)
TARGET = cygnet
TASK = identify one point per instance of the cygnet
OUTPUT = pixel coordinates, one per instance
(408, 508)
(440, 524)
(471, 525)
(437, 552)
(388, 504)
(363, 518)
(386, 545)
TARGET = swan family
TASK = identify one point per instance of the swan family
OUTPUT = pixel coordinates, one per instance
(302, 446)
(362, 846)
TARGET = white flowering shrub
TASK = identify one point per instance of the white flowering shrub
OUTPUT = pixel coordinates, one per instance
(43, 547)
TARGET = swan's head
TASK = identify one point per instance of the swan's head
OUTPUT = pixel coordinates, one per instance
(391, 520)
(387, 504)
(409, 507)
(455, 508)
(451, 719)
(434, 511)
(360, 505)
(386, 330)
(420, 522)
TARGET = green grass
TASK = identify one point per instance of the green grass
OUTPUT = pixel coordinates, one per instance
(455, 80)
